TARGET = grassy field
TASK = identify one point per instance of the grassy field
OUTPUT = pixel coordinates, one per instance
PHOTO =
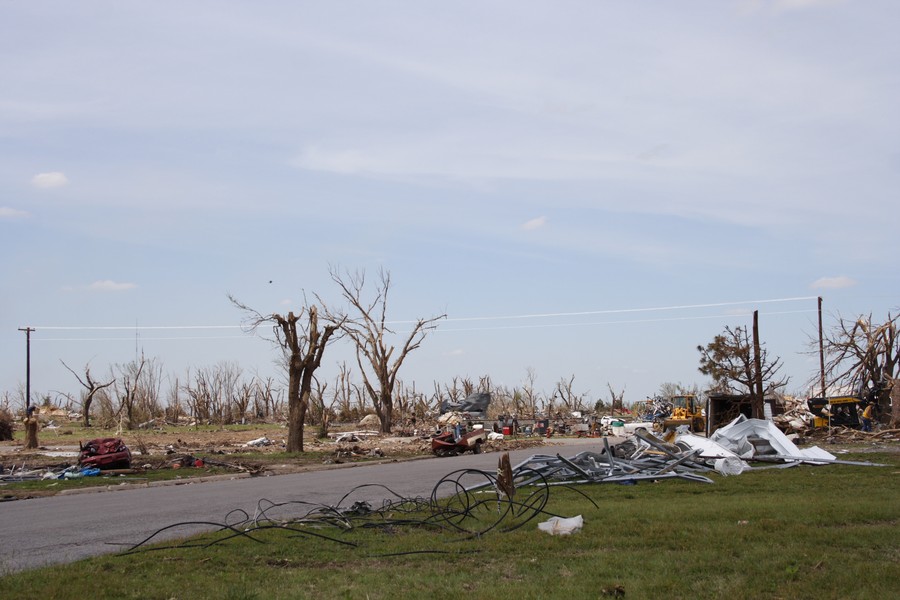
(806, 532)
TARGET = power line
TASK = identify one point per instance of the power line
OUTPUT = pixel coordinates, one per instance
(457, 319)
(133, 327)
(446, 330)
(634, 321)
(630, 310)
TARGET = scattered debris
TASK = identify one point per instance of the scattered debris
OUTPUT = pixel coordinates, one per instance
(562, 526)
(617, 591)
(355, 436)
(186, 461)
(451, 443)
(259, 442)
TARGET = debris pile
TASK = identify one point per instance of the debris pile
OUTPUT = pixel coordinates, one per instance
(796, 417)
(645, 457)
(636, 459)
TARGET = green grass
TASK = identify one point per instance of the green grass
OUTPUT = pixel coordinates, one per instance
(806, 532)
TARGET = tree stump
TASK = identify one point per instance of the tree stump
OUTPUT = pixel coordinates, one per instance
(31, 430)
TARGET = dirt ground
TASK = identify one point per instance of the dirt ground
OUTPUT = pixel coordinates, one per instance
(255, 448)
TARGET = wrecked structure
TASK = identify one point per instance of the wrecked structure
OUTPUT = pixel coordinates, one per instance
(474, 405)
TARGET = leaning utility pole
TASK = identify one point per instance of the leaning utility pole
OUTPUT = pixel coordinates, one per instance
(27, 331)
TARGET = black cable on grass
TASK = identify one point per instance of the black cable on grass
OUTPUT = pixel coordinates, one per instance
(473, 510)
(221, 526)
(457, 552)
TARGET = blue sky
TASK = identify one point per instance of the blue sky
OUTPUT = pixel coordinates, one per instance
(500, 159)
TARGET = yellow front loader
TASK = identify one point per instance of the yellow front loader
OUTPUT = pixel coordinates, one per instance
(685, 411)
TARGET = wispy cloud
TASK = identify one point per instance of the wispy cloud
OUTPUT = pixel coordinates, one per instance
(782, 5)
(53, 179)
(535, 223)
(833, 283)
(779, 6)
(107, 285)
(11, 213)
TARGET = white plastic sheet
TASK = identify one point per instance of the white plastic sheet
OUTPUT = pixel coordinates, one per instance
(561, 526)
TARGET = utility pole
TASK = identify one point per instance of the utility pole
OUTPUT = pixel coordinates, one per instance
(27, 331)
(821, 351)
(757, 409)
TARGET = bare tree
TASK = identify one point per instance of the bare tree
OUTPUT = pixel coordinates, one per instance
(127, 390)
(149, 390)
(453, 390)
(174, 409)
(303, 342)
(91, 387)
(264, 397)
(733, 365)
(866, 355)
(240, 400)
(530, 397)
(573, 402)
(617, 401)
(343, 393)
(320, 408)
(375, 356)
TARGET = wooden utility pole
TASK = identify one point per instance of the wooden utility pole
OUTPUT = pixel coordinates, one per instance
(31, 424)
(27, 331)
(758, 401)
(821, 351)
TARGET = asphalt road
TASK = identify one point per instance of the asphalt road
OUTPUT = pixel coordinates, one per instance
(65, 528)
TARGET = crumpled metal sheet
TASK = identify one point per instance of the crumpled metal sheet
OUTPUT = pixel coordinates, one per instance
(752, 438)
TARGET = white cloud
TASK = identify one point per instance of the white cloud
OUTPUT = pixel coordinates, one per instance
(286, 302)
(457, 352)
(833, 283)
(533, 224)
(53, 179)
(107, 285)
(11, 213)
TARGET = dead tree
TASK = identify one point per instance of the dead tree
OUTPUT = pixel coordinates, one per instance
(866, 355)
(263, 397)
(91, 387)
(375, 356)
(303, 342)
(573, 401)
(617, 402)
(343, 394)
(127, 390)
(530, 396)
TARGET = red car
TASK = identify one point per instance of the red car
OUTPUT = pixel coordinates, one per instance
(105, 453)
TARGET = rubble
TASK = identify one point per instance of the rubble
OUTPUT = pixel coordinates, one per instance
(258, 442)
(354, 436)
(645, 457)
